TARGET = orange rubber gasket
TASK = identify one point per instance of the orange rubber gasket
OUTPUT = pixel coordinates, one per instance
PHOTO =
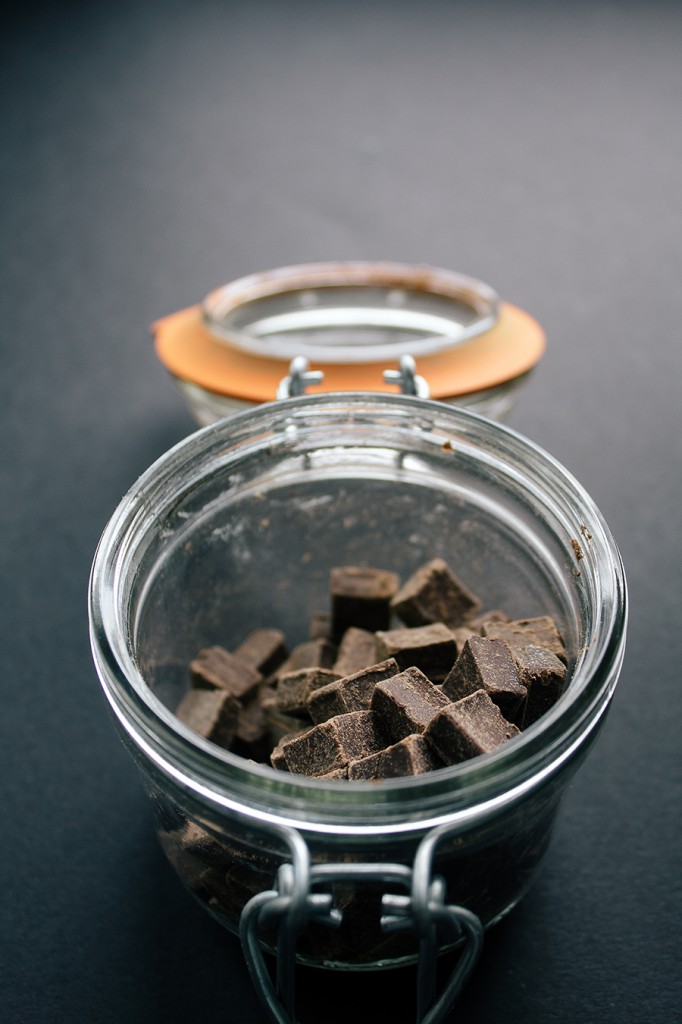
(190, 352)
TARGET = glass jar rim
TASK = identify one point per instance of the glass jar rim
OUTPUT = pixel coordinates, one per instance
(320, 305)
(474, 789)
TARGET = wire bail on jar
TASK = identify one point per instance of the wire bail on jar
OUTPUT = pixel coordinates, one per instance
(296, 902)
(300, 377)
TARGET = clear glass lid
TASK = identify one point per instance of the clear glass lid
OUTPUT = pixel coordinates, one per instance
(350, 312)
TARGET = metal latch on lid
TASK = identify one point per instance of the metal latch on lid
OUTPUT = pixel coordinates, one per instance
(299, 899)
(300, 377)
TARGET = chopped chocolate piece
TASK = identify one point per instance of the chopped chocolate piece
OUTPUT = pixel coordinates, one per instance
(461, 635)
(474, 627)
(318, 653)
(352, 693)
(358, 686)
(495, 615)
(277, 759)
(357, 650)
(487, 664)
(223, 890)
(434, 594)
(361, 597)
(189, 863)
(214, 668)
(406, 703)
(199, 843)
(320, 626)
(361, 909)
(430, 648)
(336, 773)
(541, 632)
(333, 743)
(471, 726)
(543, 674)
(294, 688)
(263, 649)
(411, 756)
(211, 713)
(280, 724)
(252, 737)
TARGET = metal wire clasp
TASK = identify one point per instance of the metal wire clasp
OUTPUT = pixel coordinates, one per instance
(300, 377)
(295, 902)
(407, 378)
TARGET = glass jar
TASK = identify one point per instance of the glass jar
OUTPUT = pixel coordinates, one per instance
(238, 526)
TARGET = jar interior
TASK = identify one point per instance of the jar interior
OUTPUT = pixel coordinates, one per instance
(251, 542)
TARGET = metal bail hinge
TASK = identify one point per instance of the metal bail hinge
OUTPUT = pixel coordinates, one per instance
(407, 378)
(296, 901)
(298, 379)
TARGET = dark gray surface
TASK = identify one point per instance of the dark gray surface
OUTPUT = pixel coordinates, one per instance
(154, 150)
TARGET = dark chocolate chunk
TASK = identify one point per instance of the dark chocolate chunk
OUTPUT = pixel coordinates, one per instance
(319, 653)
(352, 693)
(335, 773)
(333, 743)
(543, 674)
(294, 688)
(214, 668)
(410, 756)
(471, 726)
(358, 687)
(474, 627)
(252, 735)
(263, 650)
(493, 615)
(188, 865)
(541, 632)
(224, 891)
(357, 650)
(430, 648)
(279, 723)
(461, 635)
(228, 887)
(406, 703)
(361, 597)
(211, 713)
(434, 594)
(320, 627)
(277, 758)
(361, 908)
(218, 873)
(487, 664)
(199, 843)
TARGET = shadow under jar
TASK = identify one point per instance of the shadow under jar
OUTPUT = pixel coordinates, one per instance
(238, 527)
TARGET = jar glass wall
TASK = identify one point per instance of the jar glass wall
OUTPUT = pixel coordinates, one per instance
(238, 527)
